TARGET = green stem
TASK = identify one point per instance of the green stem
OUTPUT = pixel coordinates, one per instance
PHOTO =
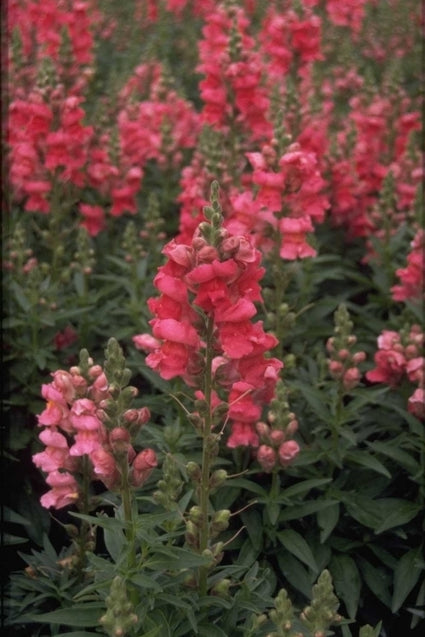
(127, 503)
(206, 459)
(85, 509)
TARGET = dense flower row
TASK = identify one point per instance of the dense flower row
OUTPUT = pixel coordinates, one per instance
(76, 427)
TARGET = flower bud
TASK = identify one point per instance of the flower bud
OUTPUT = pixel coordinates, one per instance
(288, 451)
(195, 515)
(217, 478)
(359, 357)
(266, 457)
(221, 588)
(351, 378)
(277, 436)
(194, 471)
(220, 521)
(263, 430)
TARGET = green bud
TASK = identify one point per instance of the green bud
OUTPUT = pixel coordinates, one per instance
(194, 471)
(195, 514)
(221, 588)
(218, 478)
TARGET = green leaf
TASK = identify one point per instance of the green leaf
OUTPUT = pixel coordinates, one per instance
(327, 520)
(304, 487)
(315, 398)
(296, 545)
(403, 458)
(209, 630)
(247, 554)
(175, 558)
(254, 526)
(369, 631)
(296, 512)
(295, 573)
(82, 615)
(396, 512)
(347, 582)
(13, 540)
(144, 581)
(247, 485)
(20, 297)
(366, 460)
(114, 542)
(377, 581)
(406, 575)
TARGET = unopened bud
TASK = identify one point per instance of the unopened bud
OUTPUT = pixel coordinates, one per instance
(221, 588)
(194, 471)
(217, 478)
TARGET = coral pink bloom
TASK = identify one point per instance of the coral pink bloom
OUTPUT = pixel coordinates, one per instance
(55, 455)
(415, 369)
(390, 367)
(93, 219)
(56, 412)
(241, 404)
(171, 330)
(389, 339)
(416, 403)
(83, 415)
(146, 342)
(64, 490)
(37, 191)
(105, 467)
(85, 442)
(64, 382)
(294, 244)
(170, 360)
(142, 466)
(242, 435)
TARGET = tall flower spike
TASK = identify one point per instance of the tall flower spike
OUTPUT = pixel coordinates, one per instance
(214, 281)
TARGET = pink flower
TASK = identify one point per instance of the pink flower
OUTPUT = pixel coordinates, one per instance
(83, 415)
(146, 342)
(56, 412)
(416, 403)
(142, 467)
(242, 434)
(93, 218)
(65, 338)
(105, 467)
(390, 366)
(64, 490)
(294, 244)
(56, 454)
(171, 330)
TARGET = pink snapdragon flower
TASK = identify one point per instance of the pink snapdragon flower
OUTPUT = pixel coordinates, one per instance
(76, 426)
(401, 356)
(411, 277)
(221, 281)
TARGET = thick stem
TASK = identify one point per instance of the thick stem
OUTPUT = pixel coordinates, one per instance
(206, 458)
(127, 504)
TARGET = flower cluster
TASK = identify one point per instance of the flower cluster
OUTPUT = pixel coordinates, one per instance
(411, 286)
(77, 428)
(277, 448)
(401, 355)
(343, 362)
(203, 317)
